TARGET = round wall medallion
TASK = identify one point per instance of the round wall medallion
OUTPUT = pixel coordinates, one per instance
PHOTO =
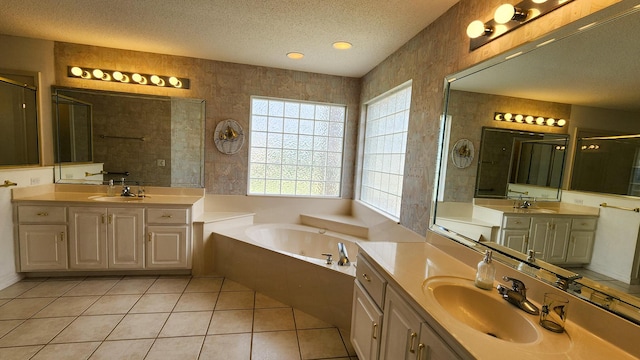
(228, 136)
(462, 153)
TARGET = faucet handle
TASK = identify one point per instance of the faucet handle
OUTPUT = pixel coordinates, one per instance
(517, 285)
(329, 258)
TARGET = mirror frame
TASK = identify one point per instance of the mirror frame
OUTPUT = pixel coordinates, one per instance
(551, 274)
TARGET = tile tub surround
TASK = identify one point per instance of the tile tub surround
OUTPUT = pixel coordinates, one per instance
(150, 317)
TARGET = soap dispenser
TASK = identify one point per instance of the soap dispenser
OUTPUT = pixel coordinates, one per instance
(486, 272)
(111, 190)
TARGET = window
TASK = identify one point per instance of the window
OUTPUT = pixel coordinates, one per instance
(385, 144)
(296, 148)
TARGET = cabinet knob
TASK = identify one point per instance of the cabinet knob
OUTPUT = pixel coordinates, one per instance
(150, 236)
(374, 332)
(43, 214)
(421, 347)
(366, 277)
(167, 216)
(62, 236)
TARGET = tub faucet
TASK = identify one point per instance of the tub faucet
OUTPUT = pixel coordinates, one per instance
(517, 295)
(343, 256)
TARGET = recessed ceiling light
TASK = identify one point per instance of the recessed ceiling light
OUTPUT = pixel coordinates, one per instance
(342, 45)
(295, 55)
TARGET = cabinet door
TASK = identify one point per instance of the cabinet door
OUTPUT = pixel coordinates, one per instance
(538, 237)
(366, 324)
(515, 239)
(558, 241)
(125, 238)
(88, 238)
(580, 247)
(400, 329)
(43, 247)
(167, 247)
(432, 347)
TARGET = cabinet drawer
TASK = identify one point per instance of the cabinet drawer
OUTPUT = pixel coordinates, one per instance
(168, 216)
(371, 280)
(516, 222)
(42, 214)
(584, 224)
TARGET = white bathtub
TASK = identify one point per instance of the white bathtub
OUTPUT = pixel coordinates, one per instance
(304, 242)
(285, 262)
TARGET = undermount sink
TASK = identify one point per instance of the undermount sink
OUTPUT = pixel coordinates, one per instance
(116, 198)
(535, 211)
(482, 310)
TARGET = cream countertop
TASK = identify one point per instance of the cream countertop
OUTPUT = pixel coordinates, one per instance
(409, 264)
(96, 195)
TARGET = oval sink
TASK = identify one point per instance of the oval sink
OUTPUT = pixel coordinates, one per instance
(116, 198)
(482, 310)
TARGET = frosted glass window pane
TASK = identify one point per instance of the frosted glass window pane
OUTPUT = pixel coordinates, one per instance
(258, 170)
(290, 157)
(319, 158)
(305, 157)
(337, 114)
(259, 123)
(336, 129)
(274, 140)
(258, 155)
(272, 187)
(289, 172)
(260, 107)
(322, 112)
(291, 126)
(305, 142)
(307, 111)
(288, 187)
(275, 124)
(291, 110)
(292, 139)
(274, 156)
(259, 139)
(317, 188)
(303, 188)
(320, 143)
(306, 127)
(304, 172)
(385, 139)
(276, 108)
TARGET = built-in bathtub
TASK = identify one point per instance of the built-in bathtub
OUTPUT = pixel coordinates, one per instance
(285, 262)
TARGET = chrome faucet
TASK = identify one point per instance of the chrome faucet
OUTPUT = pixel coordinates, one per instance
(343, 256)
(517, 295)
(126, 190)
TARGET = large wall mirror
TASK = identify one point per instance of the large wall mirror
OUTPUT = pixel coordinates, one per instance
(147, 140)
(585, 73)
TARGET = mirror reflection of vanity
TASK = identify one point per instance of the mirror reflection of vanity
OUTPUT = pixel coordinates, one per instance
(148, 140)
(560, 219)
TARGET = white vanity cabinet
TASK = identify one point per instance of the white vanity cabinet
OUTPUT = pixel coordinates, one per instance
(168, 239)
(42, 237)
(397, 332)
(557, 240)
(106, 238)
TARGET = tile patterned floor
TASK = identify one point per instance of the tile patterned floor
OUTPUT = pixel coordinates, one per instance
(164, 317)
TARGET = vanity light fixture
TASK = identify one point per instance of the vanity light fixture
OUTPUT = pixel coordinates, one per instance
(127, 77)
(529, 119)
(508, 17)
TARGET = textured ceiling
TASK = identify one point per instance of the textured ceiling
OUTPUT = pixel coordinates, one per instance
(256, 32)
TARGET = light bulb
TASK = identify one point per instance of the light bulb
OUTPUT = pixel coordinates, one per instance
(498, 117)
(97, 73)
(508, 116)
(76, 71)
(540, 120)
(476, 29)
(174, 81)
(117, 75)
(562, 122)
(155, 79)
(519, 118)
(529, 119)
(551, 121)
(539, 1)
(504, 13)
(136, 77)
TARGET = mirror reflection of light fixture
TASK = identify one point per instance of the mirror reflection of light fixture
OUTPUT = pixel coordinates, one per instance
(508, 17)
(529, 119)
(127, 77)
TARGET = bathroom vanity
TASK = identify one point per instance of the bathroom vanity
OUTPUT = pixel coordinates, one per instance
(79, 228)
(418, 301)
